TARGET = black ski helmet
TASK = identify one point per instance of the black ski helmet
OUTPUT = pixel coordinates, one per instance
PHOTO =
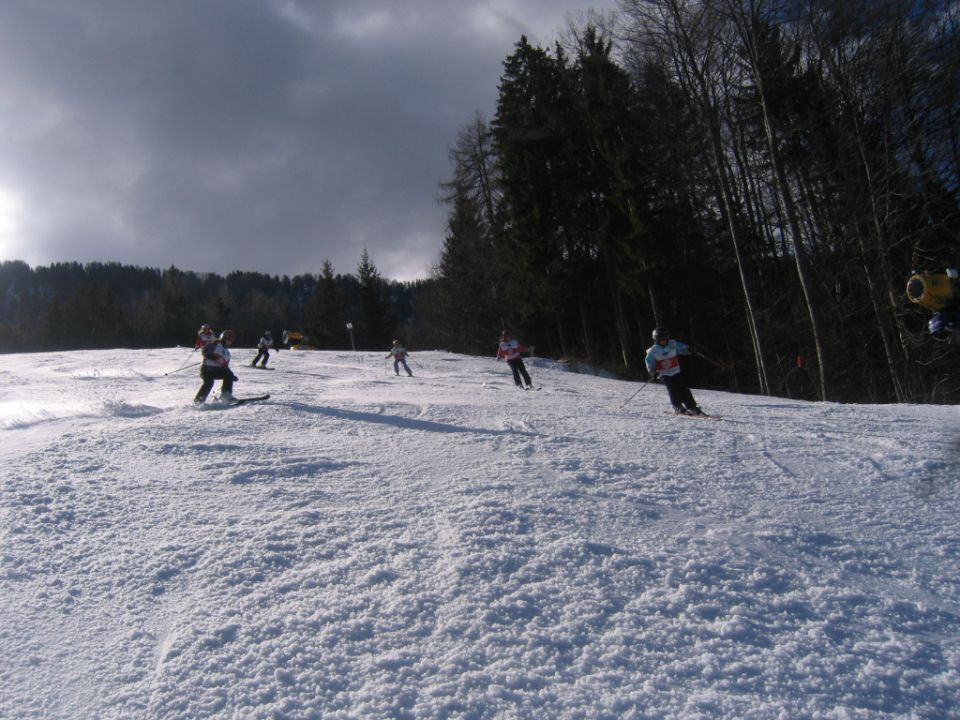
(661, 333)
(228, 336)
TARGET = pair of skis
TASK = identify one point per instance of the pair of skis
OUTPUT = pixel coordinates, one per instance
(235, 402)
(244, 401)
(500, 386)
(701, 416)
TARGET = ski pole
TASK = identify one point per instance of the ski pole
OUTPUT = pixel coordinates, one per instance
(182, 368)
(195, 348)
(712, 361)
(635, 394)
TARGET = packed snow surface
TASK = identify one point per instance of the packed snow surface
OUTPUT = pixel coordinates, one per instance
(365, 545)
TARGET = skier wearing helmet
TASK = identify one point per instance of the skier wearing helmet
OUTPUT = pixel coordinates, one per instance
(663, 362)
(399, 354)
(263, 349)
(216, 366)
(204, 335)
(512, 352)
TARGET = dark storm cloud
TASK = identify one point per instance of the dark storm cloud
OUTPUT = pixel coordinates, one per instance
(263, 135)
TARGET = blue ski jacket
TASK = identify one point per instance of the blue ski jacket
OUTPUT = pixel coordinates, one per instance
(665, 359)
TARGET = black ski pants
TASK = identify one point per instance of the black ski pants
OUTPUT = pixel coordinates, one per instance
(211, 375)
(261, 353)
(519, 370)
(680, 395)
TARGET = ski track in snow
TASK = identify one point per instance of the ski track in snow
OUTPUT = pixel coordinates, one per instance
(363, 545)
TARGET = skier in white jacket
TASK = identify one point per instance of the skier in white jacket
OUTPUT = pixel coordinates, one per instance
(216, 366)
(263, 349)
(399, 354)
(663, 362)
(512, 352)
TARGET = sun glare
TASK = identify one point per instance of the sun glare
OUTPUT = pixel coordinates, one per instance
(364, 25)
(11, 213)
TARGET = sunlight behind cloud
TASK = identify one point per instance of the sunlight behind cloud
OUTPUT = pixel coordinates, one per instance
(11, 214)
(492, 20)
(295, 14)
(364, 25)
(122, 125)
(508, 20)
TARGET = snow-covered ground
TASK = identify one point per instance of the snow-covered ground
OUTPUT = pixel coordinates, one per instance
(445, 546)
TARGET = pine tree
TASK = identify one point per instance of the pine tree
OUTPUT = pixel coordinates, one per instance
(537, 140)
(470, 272)
(325, 322)
(374, 322)
(175, 306)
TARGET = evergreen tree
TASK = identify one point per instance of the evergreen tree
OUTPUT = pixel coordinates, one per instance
(175, 307)
(470, 272)
(374, 324)
(539, 143)
(615, 210)
(325, 321)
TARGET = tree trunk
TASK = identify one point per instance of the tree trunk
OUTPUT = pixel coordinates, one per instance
(745, 23)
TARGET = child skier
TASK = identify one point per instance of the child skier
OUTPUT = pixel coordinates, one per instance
(216, 366)
(663, 361)
(510, 350)
(204, 335)
(399, 354)
(263, 349)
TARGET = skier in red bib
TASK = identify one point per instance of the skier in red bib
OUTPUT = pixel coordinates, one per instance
(512, 351)
(216, 366)
(663, 362)
(204, 335)
(399, 354)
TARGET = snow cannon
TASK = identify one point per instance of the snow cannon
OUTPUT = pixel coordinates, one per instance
(296, 340)
(934, 291)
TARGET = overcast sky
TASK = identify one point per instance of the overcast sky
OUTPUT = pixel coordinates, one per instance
(258, 135)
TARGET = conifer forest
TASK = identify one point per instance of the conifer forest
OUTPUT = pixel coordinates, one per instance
(759, 176)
